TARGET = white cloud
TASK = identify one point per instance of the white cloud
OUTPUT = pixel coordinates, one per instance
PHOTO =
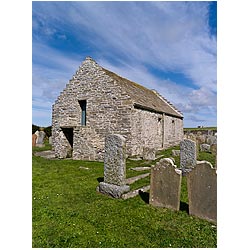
(128, 38)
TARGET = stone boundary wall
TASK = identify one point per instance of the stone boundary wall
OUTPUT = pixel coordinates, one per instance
(200, 132)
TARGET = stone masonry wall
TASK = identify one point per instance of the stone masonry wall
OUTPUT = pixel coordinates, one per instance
(107, 112)
(173, 131)
(146, 130)
(150, 129)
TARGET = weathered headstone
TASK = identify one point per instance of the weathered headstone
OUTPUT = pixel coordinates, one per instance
(34, 137)
(165, 185)
(205, 147)
(148, 153)
(210, 139)
(201, 139)
(37, 134)
(202, 191)
(187, 155)
(40, 138)
(213, 149)
(114, 167)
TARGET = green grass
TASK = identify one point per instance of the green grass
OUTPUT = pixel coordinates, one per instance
(69, 213)
(205, 128)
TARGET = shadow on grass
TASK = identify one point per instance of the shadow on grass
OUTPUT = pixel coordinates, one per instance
(184, 206)
(100, 179)
(144, 196)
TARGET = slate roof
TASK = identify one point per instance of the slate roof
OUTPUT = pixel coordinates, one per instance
(145, 98)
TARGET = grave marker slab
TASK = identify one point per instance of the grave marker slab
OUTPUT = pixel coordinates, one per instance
(165, 185)
(188, 154)
(202, 191)
(40, 138)
(114, 167)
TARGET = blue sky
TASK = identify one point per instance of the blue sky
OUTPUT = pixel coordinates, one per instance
(167, 46)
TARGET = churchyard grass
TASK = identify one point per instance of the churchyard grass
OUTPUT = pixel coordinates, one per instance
(199, 129)
(67, 212)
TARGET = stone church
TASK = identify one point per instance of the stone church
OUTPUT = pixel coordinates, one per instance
(97, 102)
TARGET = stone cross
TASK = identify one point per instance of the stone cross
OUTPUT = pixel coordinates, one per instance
(114, 167)
(202, 191)
(165, 185)
(187, 155)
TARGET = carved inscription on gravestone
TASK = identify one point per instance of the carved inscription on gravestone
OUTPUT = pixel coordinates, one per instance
(165, 185)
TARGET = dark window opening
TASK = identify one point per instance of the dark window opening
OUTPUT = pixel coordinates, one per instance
(83, 105)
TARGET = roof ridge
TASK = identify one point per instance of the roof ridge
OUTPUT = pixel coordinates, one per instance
(123, 78)
(168, 102)
(138, 93)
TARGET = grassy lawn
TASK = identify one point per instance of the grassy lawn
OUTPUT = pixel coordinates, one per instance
(199, 129)
(68, 212)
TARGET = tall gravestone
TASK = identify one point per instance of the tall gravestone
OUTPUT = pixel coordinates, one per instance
(165, 185)
(40, 138)
(114, 167)
(202, 191)
(187, 155)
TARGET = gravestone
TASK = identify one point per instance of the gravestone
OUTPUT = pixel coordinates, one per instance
(34, 137)
(165, 185)
(148, 154)
(37, 134)
(213, 149)
(204, 147)
(188, 154)
(40, 139)
(114, 167)
(210, 139)
(202, 191)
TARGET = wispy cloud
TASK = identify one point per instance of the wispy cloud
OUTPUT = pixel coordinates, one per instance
(129, 38)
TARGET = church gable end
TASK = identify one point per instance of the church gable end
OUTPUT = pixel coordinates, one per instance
(97, 102)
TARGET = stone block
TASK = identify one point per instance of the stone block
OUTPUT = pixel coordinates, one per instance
(148, 153)
(210, 139)
(204, 147)
(40, 137)
(202, 191)
(213, 149)
(115, 160)
(112, 190)
(188, 154)
(165, 185)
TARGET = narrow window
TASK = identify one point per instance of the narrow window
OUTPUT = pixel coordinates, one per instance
(83, 105)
